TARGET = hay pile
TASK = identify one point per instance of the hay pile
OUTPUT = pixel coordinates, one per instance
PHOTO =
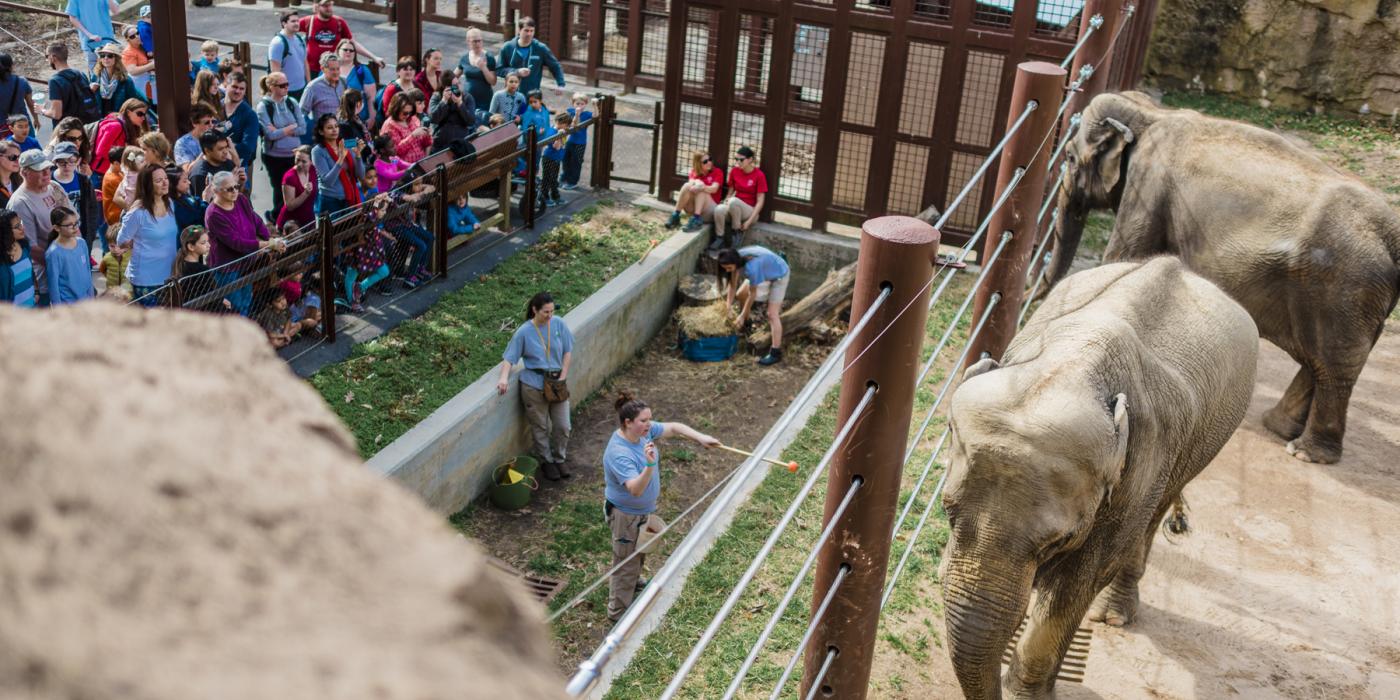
(708, 321)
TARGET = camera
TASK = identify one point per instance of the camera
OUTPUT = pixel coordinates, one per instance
(456, 90)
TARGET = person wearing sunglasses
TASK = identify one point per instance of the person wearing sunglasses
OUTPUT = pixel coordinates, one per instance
(477, 68)
(110, 80)
(125, 128)
(283, 124)
(700, 194)
(749, 189)
(139, 64)
(9, 172)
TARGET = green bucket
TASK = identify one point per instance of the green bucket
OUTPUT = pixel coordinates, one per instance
(526, 465)
(511, 489)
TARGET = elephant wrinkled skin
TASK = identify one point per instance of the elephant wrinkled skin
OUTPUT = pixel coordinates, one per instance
(1065, 458)
(1311, 253)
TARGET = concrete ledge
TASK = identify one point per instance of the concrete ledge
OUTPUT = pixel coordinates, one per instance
(447, 458)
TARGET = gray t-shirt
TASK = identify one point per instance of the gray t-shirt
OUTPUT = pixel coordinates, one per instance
(34, 209)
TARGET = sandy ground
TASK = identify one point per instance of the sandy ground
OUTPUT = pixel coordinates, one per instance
(1288, 585)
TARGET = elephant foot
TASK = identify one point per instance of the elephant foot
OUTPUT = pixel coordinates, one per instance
(1281, 424)
(1116, 606)
(1311, 450)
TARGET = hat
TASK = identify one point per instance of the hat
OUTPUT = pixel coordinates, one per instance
(745, 151)
(145, 11)
(110, 48)
(34, 159)
(64, 149)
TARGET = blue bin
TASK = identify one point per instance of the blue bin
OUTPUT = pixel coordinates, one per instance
(709, 349)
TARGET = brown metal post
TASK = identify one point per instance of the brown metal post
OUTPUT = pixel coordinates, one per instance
(529, 195)
(323, 231)
(439, 219)
(603, 143)
(897, 251)
(409, 15)
(1093, 53)
(243, 53)
(172, 57)
(1028, 148)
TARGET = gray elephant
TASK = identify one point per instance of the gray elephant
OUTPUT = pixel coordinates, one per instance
(1067, 455)
(1311, 253)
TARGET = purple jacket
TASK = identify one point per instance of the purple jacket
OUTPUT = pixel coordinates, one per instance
(233, 234)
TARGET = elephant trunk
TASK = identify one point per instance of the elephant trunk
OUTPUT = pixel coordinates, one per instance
(985, 595)
(1069, 228)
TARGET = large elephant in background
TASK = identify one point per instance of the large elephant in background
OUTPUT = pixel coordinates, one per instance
(1066, 456)
(1311, 253)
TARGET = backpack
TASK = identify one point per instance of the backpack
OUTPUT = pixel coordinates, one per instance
(91, 128)
(88, 107)
(287, 47)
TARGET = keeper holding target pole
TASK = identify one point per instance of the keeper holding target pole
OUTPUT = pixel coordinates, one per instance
(767, 276)
(632, 487)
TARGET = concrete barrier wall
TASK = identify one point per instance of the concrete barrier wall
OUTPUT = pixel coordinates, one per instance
(447, 459)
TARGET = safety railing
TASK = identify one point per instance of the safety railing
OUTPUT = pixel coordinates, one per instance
(892, 301)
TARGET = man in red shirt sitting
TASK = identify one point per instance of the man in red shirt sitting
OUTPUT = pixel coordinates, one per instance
(323, 31)
(749, 189)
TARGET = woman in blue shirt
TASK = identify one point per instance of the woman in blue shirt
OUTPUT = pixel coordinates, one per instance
(16, 269)
(632, 486)
(150, 230)
(767, 277)
(547, 348)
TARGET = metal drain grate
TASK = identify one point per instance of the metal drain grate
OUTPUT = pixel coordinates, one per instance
(1076, 659)
(542, 588)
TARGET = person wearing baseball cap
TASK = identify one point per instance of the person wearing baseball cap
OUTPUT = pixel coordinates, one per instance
(81, 197)
(34, 201)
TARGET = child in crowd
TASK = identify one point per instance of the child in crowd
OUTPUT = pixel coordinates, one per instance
(577, 144)
(397, 211)
(387, 162)
(304, 301)
(368, 264)
(145, 30)
(369, 184)
(276, 321)
(66, 260)
(111, 208)
(21, 132)
(208, 60)
(536, 115)
(132, 160)
(509, 103)
(552, 160)
(461, 221)
(191, 274)
(113, 265)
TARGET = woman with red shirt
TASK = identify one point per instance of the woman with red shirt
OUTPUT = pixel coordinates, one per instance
(700, 194)
(750, 189)
(429, 80)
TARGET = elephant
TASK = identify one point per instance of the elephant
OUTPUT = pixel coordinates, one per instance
(1066, 455)
(1311, 253)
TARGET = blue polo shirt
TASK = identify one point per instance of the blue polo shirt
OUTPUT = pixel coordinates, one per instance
(762, 265)
(624, 460)
(528, 343)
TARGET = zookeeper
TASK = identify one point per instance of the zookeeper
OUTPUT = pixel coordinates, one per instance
(632, 485)
(547, 347)
(767, 276)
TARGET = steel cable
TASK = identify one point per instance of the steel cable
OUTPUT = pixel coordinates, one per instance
(728, 606)
(590, 668)
(982, 169)
(791, 592)
(1094, 23)
(841, 575)
(821, 674)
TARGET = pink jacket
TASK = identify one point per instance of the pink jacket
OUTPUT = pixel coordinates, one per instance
(110, 133)
(390, 171)
(409, 148)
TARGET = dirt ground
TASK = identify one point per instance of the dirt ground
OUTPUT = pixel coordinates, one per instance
(1287, 587)
(735, 401)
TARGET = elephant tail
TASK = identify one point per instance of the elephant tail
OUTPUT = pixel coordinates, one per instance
(1176, 523)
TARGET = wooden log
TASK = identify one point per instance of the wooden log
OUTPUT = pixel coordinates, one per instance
(815, 316)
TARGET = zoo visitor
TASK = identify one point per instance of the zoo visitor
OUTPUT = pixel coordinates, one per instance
(547, 347)
(632, 485)
(767, 276)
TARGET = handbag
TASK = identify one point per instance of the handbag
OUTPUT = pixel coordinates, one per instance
(556, 390)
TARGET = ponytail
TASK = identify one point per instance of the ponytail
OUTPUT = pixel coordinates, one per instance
(628, 407)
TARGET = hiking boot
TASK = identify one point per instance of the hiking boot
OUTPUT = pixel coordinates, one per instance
(695, 224)
(551, 471)
(773, 357)
(641, 584)
(564, 470)
(674, 221)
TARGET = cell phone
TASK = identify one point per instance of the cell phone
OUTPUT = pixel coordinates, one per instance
(352, 143)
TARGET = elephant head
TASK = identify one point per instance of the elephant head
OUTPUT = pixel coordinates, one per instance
(1096, 164)
(1032, 463)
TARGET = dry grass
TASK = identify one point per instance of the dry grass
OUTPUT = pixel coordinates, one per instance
(709, 321)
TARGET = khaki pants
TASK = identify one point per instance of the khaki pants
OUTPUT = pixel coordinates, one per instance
(707, 203)
(622, 587)
(549, 424)
(733, 212)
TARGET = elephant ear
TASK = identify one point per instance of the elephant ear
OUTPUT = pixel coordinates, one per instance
(1119, 458)
(1113, 139)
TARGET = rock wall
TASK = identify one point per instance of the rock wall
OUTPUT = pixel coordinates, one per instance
(181, 517)
(1335, 55)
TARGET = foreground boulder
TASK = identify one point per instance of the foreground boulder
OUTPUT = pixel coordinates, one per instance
(181, 517)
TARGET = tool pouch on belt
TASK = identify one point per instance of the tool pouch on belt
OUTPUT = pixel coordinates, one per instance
(555, 389)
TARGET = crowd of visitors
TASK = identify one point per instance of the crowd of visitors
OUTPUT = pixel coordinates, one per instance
(151, 219)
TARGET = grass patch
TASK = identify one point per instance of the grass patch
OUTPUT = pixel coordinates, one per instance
(1370, 131)
(655, 664)
(389, 384)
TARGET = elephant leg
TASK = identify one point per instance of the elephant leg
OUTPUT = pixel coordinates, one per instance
(1116, 605)
(1054, 618)
(1290, 415)
(1321, 440)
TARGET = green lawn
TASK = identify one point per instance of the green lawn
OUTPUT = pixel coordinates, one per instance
(391, 383)
(711, 581)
